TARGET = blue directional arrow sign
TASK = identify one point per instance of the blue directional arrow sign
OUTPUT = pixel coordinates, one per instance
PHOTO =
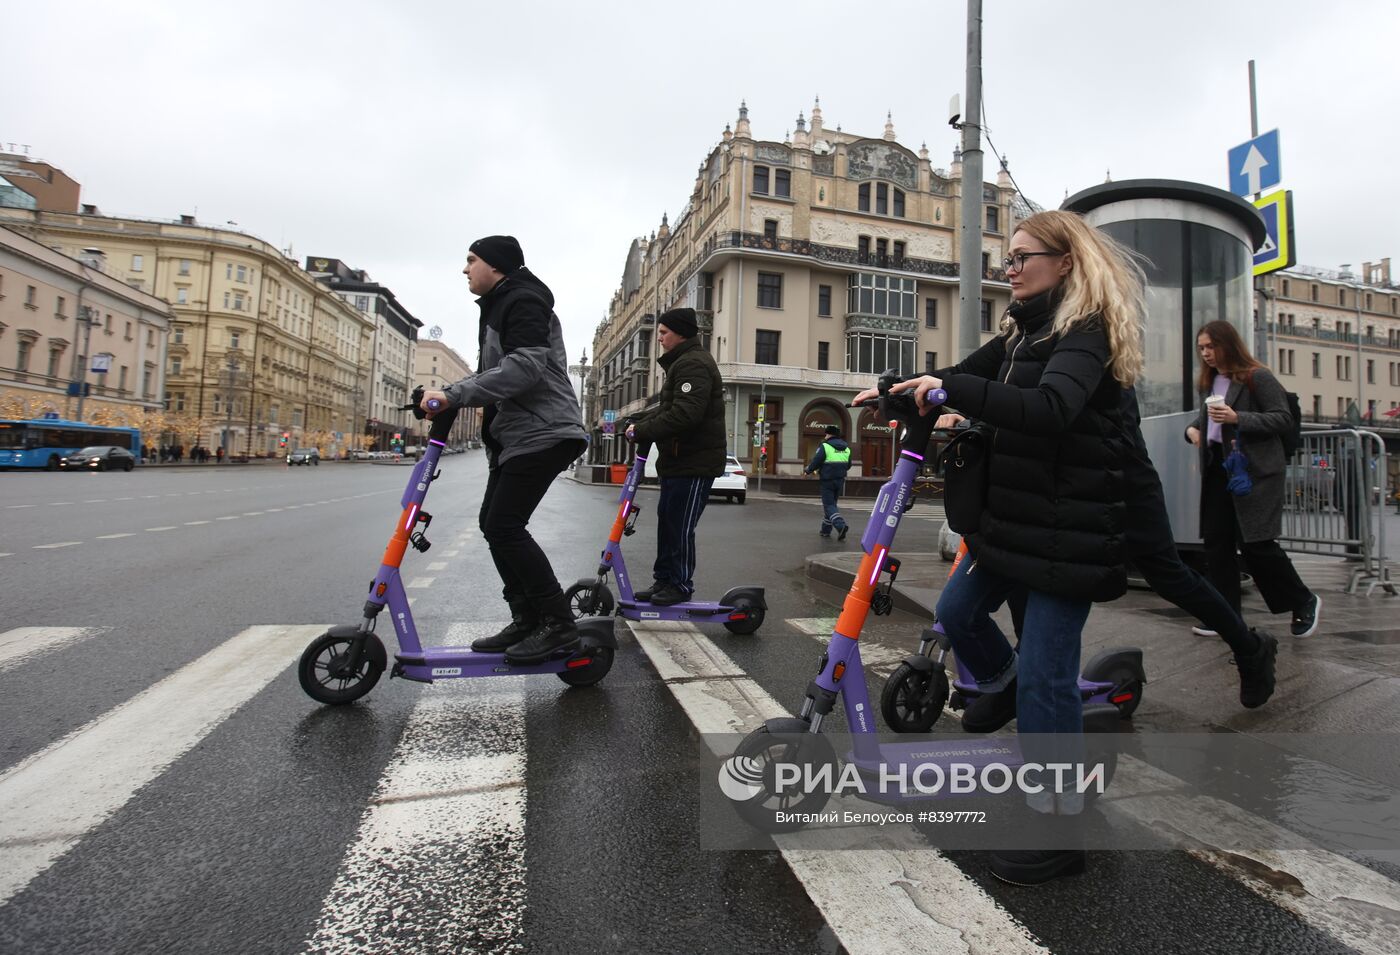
(1255, 165)
(1278, 250)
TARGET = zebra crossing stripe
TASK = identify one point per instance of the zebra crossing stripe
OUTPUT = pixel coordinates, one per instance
(50, 800)
(444, 832)
(22, 644)
(875, 900)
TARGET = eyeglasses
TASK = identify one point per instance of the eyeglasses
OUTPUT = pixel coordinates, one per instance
(1017, 260)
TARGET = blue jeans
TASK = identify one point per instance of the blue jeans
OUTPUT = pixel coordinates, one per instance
(1045, 666)
(678, 510)
(831, 514)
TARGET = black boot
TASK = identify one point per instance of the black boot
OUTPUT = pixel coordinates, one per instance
(524, 618)
(556, 632)
(1257, 672)
(990, 711)
(1037, 866)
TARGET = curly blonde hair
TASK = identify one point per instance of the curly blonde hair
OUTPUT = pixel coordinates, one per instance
(1105, 283)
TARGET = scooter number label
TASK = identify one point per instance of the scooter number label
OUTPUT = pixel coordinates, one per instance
(650, 615)
(447, 671)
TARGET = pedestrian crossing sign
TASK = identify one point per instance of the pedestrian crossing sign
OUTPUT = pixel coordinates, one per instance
(1277, 251)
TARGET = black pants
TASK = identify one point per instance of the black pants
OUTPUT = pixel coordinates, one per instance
(1278, 582)
(513, 491)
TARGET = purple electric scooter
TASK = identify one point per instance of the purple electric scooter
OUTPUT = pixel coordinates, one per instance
(755, 784)
(741, 609)
(345, 662)
(916, 692)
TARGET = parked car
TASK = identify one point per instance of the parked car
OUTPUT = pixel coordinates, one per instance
(733, 484)
(305, 456)
(99, 457)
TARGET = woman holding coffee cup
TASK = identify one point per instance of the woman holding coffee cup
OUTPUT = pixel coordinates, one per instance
(1245, 407)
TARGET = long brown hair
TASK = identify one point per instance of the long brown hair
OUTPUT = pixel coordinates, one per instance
(1232, 357)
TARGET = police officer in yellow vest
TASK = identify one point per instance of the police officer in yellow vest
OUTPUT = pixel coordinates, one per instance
(832, 461)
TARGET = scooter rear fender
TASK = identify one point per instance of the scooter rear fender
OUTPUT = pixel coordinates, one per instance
(597, 632)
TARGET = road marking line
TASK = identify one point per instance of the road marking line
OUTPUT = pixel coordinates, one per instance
(112, 537)
(252, 513)
(437, 565)
(274, 510)
(20, 645)
(54, 546)
(232, 517)
(875, 900)
(123, 498)
(7, 555)
(14, 507)
(420, 582)
(60, 503)
(448, 803)
(50, 800)
(452, 553)
(100, 500)
(168, 527)
(193, 523)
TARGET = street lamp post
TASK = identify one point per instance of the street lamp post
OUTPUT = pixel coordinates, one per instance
(229, 380)
(86, 317)
(583, 395)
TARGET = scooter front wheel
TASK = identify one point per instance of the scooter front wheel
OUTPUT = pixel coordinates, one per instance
(589, 673)
(324, 669)
(913, 699)
(749, 777)
(590, 600)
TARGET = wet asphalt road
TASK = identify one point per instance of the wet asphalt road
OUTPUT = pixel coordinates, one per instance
(238, 844)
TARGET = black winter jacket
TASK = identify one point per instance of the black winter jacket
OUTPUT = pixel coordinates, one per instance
(687, 427)
(1055, 512)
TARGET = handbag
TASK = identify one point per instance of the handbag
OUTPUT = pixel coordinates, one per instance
(965, 461)
(1236, 465)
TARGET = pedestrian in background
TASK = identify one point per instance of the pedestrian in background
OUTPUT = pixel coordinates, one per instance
(830, 464)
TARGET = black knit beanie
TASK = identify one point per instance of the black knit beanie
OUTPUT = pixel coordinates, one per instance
(681, 321)
(501, 252)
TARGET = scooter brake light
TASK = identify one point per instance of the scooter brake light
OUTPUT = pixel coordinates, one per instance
(577, 662)
(1120, 698)
(738, 615)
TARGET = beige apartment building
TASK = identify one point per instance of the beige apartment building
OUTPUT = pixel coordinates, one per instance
(258, 349)
(814, 263)
(437, 364)
(1334, 339)
(60, 316)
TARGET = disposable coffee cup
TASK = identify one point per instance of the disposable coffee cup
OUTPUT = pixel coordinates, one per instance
(1215, 400)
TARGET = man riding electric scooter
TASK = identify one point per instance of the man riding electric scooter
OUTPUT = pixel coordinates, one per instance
(687, 429)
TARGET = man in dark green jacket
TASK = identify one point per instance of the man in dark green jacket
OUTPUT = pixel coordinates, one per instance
(687, 429)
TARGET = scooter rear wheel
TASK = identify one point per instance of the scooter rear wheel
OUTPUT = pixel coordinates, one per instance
(324, 673)
(749, 624)
(913, 699)
(590, 600)
(593, 672)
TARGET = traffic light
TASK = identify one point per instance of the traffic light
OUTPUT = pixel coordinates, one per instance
(282, 442)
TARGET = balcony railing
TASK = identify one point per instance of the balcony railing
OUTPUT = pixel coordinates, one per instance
(839, 255)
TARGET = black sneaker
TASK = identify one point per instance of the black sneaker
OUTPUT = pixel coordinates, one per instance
(841, 534)
(1036, 866)
(1305, 620)
(551, 636)
(990, 711)
(524, 619)
(644, 596)
(667, 595)
(1257, 673)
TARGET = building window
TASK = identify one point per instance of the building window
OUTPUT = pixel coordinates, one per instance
(765, 348)
(228, 270)
(182, 295)
(872, 353)
(882, 199)
(987, 316)
(824, 301)
(234, 337)
(760, 180)
(770, 290)
(863, 247)
(54, 355)
(987, 265)
(179, 335)
(1316, 365)
(138, 263)
(993, 219)
(882, 250)
(1285, 288)
(1341, 296)
(127, 336)
(1314, 293)
(1368, 301)
(227, 296)
(899, 203)
(59, 307)
(931, 313)
(898, 251)
(863, 197)
(823, 356)
(782, 182)
(30, 294)
(770, 230)
(177, 366)
(121, 379)
(1370, 372)
(930, 362)
(184, 266)
(238, 301)
(22, 359)
(870, 293)
(242, 273)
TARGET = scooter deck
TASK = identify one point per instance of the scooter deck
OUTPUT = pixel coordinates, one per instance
(437, 663)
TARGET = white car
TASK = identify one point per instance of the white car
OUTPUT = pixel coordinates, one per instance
(732, 484)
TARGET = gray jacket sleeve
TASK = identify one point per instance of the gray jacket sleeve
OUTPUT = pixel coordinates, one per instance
(525, 342)
(1273, 416)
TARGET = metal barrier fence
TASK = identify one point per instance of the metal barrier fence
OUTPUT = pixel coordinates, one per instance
(1333, 503)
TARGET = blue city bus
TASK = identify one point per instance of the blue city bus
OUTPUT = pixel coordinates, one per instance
(41, 443)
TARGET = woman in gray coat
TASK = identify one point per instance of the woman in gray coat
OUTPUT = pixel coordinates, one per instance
(1252, 414)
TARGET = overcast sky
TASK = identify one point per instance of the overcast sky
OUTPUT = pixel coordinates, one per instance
(391, 136)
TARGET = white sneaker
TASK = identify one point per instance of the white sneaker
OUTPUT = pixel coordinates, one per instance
(1203, 632)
